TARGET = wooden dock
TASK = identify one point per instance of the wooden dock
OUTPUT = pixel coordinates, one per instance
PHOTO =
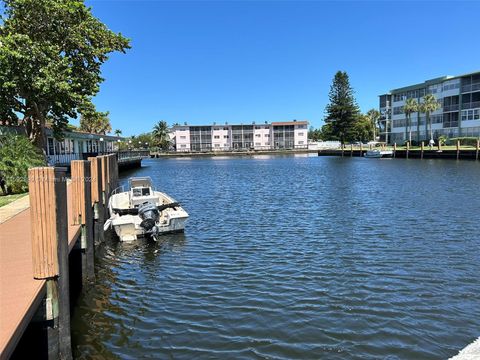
(35, 245)
(458, 153)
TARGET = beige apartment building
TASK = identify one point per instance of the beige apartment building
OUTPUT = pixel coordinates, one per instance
(268, 136)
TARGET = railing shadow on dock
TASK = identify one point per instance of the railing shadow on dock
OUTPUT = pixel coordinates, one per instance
(65, 218)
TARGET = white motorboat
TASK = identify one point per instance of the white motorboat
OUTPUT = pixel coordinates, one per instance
(142, 211)
(378, 153)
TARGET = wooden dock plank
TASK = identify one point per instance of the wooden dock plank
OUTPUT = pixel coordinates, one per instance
(20, 293)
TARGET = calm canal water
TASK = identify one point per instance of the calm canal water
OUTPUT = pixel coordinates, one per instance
(295, 257)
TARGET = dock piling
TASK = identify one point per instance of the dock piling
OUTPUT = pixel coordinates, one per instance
(408, 149)
(97, 198)
(105, 184)
(477, 149)
(48, 206)
(83, 215)
(458, 149)
(422, 149)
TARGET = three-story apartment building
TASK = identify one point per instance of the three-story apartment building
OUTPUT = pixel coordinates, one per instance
(277, 135)
(458, 113)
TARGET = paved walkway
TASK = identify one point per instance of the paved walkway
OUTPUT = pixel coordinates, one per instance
(15, 207)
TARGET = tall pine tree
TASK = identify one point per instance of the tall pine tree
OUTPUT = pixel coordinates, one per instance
(342, 111)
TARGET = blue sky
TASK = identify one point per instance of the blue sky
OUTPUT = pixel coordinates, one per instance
(241, 61)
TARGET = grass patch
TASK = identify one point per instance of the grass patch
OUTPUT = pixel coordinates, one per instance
(7, 199)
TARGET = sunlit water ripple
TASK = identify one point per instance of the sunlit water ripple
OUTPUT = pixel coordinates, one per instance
(295, 258)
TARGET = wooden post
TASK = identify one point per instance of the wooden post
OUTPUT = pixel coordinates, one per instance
(408, 149)
(343, 148)
(361, 149)
(458, 149)
(351, 150)
(477, 150)
(394, 149)
(97, 198)
(422, 149)
(105, 185)
(83, 215)
(48, 213)
(113, 172)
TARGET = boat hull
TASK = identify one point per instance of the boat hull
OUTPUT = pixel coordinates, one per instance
(128, 227)
(377, 154)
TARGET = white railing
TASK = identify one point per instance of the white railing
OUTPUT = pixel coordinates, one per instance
(63, 159)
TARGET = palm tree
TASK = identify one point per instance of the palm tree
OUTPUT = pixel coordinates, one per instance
(429, 105)
(118, 132)
(409, 108)
(160, 134)
(374, 115)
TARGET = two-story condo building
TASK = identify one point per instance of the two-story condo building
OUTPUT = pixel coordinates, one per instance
(458, 114)
(276, 135)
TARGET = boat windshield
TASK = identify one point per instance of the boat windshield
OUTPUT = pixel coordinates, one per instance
(141, 191)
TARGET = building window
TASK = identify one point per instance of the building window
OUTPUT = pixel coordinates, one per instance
(216, 136)
(216, 129)
(217, 145)
(50, 147)
(300, 134)
(397, 110)
(183, 146)
(300, 143)
(472, 114)
(267, 135)
(258, 135)
(258, 144)
(450, 120)
(183, 137)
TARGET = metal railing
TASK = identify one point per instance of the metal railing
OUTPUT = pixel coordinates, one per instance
(470, 87)
(63, 159)
(453, 107)
(122, 156)
(472, 105)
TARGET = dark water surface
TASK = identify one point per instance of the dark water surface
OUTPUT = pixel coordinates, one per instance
(295, 257)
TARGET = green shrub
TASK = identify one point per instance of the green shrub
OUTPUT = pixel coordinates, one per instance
(465, 141)
(442, 139)
(17, 154)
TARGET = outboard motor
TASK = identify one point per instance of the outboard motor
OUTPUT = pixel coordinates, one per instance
(149, 215)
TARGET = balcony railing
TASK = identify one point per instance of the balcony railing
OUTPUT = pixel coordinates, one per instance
(472, 105)
(453, 107)
(471, 87)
